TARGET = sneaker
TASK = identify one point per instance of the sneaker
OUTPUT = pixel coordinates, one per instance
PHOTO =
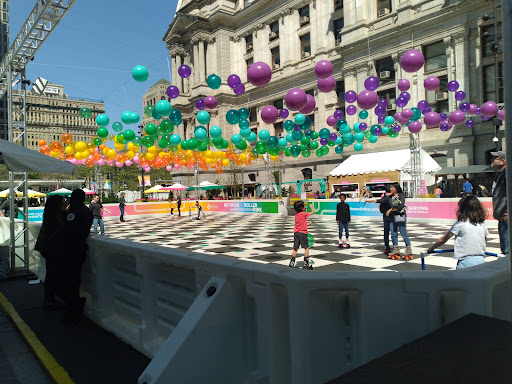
(340, 245)
(386, 251)
(347, 245)
(307, 265)
(292, 262)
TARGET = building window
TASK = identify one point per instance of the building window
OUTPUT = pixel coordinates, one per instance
(253, 115)
(488, 47)
(338, 4)
(337, 27)
(438, 99)
(435, 56)
(278, 103)
(383, 7)
(304, 15)
(489, 83)
(307, 173)
(279, 129)
(385, 69)
(249, 62)
(305, 45)
(276, 60)
(248, 43)
(274, 30)
(389, 95)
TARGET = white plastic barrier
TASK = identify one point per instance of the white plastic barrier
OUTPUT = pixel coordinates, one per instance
(207, 318)
(5, 235)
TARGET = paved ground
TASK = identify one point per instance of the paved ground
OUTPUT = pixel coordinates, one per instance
(269, 239)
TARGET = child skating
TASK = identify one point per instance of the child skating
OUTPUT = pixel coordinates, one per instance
(300, 233)
(343, 220)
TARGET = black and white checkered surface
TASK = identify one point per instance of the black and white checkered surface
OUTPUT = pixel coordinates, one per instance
(268, 239)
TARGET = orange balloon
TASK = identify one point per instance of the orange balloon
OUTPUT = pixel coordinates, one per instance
(42, 143)
(89, 163)
(66, 138)
(213, 166)
(45, 150)
(56, 146)
(218, 171)
(102, 147)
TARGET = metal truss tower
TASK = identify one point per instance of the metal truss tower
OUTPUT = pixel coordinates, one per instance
(414, 146)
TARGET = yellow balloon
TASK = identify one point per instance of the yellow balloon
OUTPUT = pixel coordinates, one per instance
(78, 156)
(118, 146)
(54, 154)
(161, 154)
(150, 156)
(231, 146)
(111, 137)
(130, 154)
(152, 149)
(69, 150)
(225, 162)
(84, 155)
(80, 146)
(105, 150)
(136, 149)
(111, 153)
(273, 158)
(130, 146)
(242, 157)
(209, 160)
(209, 153)
(142, 156)
(91, 145)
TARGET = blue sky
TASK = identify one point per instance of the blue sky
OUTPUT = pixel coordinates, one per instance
(96, 45)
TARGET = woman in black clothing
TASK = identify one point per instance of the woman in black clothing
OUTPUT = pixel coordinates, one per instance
(397, 213)
(385, 205)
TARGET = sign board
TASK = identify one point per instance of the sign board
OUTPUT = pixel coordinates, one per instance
(52, 90)
(303, 196)
(379, 180)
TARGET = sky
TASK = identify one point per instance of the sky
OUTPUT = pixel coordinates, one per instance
(94, 48)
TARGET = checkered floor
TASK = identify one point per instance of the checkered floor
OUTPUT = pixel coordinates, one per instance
(269, 239)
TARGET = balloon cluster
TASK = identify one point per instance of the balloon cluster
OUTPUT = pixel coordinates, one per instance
(207, 149)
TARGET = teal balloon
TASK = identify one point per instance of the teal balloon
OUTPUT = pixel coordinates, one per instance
(356, 127)
(359, 136)
(163, 108)
(215, 131)
(282, 143)
(236, 139)
(117, 126)
(214, 81)
(339, 149)
(175, 139)
(295, 150)
(363, 114)
(154, 115)
(417, 114)
(300, 119)
(264, 135)
(252, 137)
(140, 73)
(203, 117)
(102, 120)
(245, 133)
(244, 123)
(289, 138)
(358, 147)
(200, 134)
(372, 129)
(232, 117)
(176, 117)
(324, 133)
(243, 113)
(346, 129)
(385, 130)
(288, 125)
(272, 142)
(307, 123)
(372, 139)
(339, 140)
(389, 120)
(297, 135)
(341, 123)
(134, 118)
(349, 138)
(126, 117)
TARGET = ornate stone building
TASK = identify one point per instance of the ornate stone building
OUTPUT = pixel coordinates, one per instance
(361, 38)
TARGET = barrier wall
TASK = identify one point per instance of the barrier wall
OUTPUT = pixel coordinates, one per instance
(243, 322)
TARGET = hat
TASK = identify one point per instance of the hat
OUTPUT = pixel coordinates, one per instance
(498, 154)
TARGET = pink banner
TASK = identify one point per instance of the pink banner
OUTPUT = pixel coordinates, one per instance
(379, 180)
(435, 209)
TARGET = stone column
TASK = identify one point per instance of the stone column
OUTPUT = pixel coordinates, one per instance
(284, 48)
(174, 69)
(450, 66)
(178, 82)
(186, 82)
(195, 69)
(202, 63)
(460, 68)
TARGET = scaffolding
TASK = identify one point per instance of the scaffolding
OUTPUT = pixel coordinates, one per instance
(414, 146)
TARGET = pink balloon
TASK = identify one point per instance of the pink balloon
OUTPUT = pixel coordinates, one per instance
(210, 102)
(398, 117)
(147, 169)
(367, 99)
(118, 164)
(269, 114)
(310, 105)
(73, 161)
(323, 69)
(489, 109)
(110, 162)
(168, 168)
(415, 126)
(259, 74)
(136, 159)
(472, 109)
(295, 99)
(128, 163)
(431, 83)
(456, 117)
(404, 85)
(100, 162)
(326, 85)
(407, 114)
(412, 61)
(331, 121)
(501, 114)
(432, 119)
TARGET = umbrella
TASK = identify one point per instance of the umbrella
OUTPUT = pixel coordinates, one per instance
(61, 192)
(6, 191)
(155, 189)
(32, 193)
(88, 191)
(175, 187)
(21, 159)
(205, 186)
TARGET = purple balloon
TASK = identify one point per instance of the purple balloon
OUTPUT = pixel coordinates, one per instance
(239, 89)
(407, 114)
(422, 105)
(432, 119)
(397, 128)
(367, 99)
(350, 97)
(426, 110)
(269, 114)
(326, 85)
(380, 119)
(324, 141)
(377, 131)
(444, 116)
(415, 126)
(484, 118)
(210, 102)
(501, 114)
(331, 121)
(464, 107)
(333, 137)
(445, 127)
(323, 69)
(172, 91)
(184, 71)
(398, 117)
(296, 99)
(456, 117)
(478, 111)
(406, 95)
(473, 108)
(363, 126)
(401, 102)
(412, 60)
(380, 110)
(460, 95)
(431, 83)
(351, 110)
(469, 123)
(453, 86)
(284, 113)
(371, 83)
(233, 80)
(489, 109)
(338, 114)
(383, 103)
(259, 74)
(200, 104)
(404, 85)
(310, 105)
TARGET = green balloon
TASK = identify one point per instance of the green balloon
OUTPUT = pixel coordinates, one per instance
(311, 240)
(117, 126)
(202, 146)
(192, 143)
(214, 81)
(151, 129)
(303, 147)
(120, 139)
(313, 145)
(305, 140)
(225, 144)
(148, 141)
(217, 141)
(85, 112)
(184, 145)
(306, 153)
(372, 139)
(314, 135)
(102, 132)
(149, 110)
(392, 134)
(295, 150)
(137, 141)
(162, 143)
(242, 145)
(129, 135)
(97, 141)
(166, 126)
(288, 151)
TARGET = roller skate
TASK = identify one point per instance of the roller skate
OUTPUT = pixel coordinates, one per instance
(408, 254)
(292, 262)
(341, 245)
(307, 264)
(346, 244)
(386, 251)
(394, 254)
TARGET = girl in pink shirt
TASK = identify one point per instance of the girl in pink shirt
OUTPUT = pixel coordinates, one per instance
(300, 233)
